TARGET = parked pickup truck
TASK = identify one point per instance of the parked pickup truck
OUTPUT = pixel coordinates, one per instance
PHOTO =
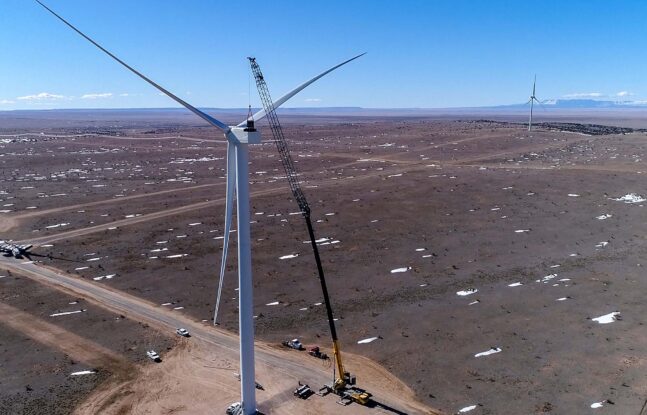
(152, 354)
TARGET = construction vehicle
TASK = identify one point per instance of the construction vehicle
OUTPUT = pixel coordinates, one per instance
(316, 352)
(235, 408)
(303, 391)
(293, 344)
(343, 382)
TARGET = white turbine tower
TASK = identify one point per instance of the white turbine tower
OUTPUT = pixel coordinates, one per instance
(531, 101)
(238, 138)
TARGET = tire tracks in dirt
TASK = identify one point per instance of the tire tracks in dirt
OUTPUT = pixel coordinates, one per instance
(58, 338)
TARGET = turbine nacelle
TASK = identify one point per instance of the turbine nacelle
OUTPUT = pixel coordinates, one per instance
(240, 135)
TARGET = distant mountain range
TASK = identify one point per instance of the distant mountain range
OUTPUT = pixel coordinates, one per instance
(240, 113)
(581, 103)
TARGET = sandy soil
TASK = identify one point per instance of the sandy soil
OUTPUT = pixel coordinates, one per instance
(186, 380)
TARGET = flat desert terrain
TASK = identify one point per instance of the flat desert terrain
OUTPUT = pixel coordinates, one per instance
(482, 268)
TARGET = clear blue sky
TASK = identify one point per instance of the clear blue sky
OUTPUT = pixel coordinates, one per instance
(420, 53)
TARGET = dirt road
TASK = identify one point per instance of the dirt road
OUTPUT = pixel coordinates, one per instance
(56, 337)
(280, 370)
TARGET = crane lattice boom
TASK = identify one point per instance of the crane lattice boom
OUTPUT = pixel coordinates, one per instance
(279, 138)
(343, 378)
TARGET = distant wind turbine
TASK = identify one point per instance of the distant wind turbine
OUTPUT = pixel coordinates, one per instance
(531, 101)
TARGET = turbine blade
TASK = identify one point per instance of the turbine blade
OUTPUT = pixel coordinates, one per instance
(543, 107)
(534, 83)
(261, 114)
(229, 205)
(208, 118)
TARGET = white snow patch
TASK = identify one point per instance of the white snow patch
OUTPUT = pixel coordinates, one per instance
(467, 409)
(597, 405)
(273, 303)
(58, 225)
(607, 318)
(107, 277)
(320, 240)
(630, 198)
(66, 313)
(604, 216)
(83, 372)
(492, 350)
(289, 256)
(469, 291)
(547, 278)
(515, 284)
(398, 270)
(522, 230)
(369, 340)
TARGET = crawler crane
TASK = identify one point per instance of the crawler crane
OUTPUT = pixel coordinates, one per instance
(343, 382)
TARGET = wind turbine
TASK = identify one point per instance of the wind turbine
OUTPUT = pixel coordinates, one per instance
(531, 101)
(238, 139)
